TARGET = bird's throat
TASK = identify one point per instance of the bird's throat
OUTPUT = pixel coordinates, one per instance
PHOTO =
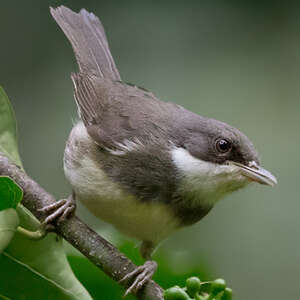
(204, 183)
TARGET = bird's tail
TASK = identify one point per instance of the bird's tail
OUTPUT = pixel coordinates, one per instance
(86, 34)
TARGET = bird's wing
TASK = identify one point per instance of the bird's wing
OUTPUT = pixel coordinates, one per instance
(87, 37)
(115, 112)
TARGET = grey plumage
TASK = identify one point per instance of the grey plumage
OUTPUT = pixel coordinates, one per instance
(115, 113)
(87, 36)
(146, 166)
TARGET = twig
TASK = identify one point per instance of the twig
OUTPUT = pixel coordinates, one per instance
(99, 251)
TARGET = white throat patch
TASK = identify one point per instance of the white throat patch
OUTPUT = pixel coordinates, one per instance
(206, 181)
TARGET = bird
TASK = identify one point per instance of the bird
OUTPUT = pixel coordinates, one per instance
(146, 166)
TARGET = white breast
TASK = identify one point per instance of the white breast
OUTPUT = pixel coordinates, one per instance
(108, 201)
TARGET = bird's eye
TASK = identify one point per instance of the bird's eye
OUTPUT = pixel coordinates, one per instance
(223, 145)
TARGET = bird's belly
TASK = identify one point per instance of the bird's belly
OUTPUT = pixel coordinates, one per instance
(147, 221)
(144, 221)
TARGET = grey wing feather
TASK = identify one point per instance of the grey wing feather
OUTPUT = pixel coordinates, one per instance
(111, 110)
(86, 98)
(87, 37)
(114, 112)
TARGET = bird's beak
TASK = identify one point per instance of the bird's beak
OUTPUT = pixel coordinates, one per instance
(256, 173)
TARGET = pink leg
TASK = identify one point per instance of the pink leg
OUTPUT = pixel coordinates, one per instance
(144, 273)
(60, 210)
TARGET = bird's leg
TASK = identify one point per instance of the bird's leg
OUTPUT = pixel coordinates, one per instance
(142, 274)
(59, 210)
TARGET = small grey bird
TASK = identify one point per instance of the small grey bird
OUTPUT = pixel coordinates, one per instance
(146, 166)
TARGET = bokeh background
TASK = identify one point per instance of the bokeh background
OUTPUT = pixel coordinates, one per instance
(237, 61)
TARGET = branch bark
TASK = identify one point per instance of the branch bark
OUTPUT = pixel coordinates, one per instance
(99, 251)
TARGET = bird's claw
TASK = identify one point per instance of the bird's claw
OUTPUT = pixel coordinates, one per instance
(46, 228)
(142, 275)
(59, 210)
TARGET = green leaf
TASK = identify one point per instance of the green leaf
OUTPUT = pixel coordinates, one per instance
(8, 129)
(2, 297)
(43, 264)
(10, 193)
(9, 222)
(30, 269)
(99, 285)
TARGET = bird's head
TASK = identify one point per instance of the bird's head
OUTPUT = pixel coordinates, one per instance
(216, 159)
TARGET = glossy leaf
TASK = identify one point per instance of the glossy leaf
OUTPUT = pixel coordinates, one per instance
(30, 269)
(10, 193)
(9, 222)
(39, 263)
(8, 129)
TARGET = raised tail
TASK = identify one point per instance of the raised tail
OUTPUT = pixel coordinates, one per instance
(86, 34)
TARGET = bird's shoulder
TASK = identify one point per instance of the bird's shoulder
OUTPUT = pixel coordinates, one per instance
(115, 111)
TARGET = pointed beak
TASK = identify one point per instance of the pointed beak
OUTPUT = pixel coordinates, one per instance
(256, 173)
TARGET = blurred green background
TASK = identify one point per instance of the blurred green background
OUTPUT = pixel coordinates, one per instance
(237, 61)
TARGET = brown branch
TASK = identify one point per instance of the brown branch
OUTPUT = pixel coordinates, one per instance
(99, 251)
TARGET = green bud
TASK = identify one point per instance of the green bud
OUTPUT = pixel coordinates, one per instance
(227, 294)
(176, 293)
(201, 297)
(193, 285)
(217, 286)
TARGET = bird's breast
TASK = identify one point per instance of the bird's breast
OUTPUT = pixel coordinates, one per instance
(107, 200)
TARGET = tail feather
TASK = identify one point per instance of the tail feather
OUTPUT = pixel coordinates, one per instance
(87, 37)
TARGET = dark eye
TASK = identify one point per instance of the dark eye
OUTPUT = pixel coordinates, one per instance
(223, 145)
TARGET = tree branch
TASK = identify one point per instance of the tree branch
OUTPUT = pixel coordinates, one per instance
(99, 251)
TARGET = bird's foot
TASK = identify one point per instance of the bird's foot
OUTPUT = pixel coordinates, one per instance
(59, 210)
(141, 275)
